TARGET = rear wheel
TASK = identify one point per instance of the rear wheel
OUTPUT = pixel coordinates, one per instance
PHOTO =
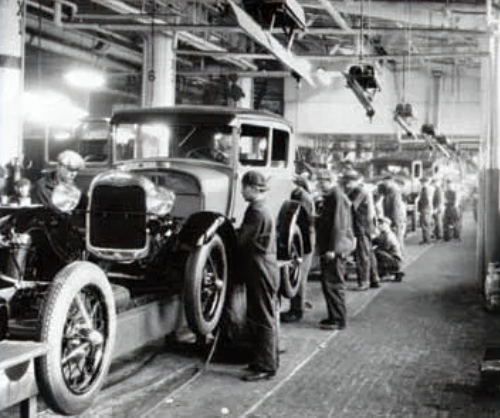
(206, 277)
(78, 323)
(291, 271)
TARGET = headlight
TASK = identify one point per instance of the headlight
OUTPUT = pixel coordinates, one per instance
(160, 201)
(66, 196)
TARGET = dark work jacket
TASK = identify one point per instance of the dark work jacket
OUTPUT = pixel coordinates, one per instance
(388, 242)
(44, 189)
(305, 198)
(393, 204)
(363, 211)
(257, 244)
(437, 197)
(424, 200)
(334, 225)
(451, 197)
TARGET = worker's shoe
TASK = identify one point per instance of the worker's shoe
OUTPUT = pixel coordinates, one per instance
(330, 325)
(375, 285)
(255, 376)
(398, 276)
(291, 316)
(361, 287)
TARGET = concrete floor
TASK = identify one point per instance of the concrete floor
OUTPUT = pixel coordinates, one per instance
(411, 349)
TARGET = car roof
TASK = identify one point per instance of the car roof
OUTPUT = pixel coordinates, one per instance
(200, 114)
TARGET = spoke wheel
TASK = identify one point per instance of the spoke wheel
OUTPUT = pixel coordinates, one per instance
(78, 324)
(291, 272)
(206, 278)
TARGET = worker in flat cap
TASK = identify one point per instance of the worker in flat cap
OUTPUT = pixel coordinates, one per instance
(394, 207)
(424, 207)
(363, 215)
(69, 163)
(302, 194)
(335, 241)
(259, 268)
(452, 218)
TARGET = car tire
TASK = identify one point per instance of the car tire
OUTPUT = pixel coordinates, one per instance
(78, 324)
(291, 273)
(206, 280)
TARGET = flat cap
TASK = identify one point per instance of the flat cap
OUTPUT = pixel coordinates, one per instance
(351, 174)
(384, 220)
(255, 178)
(301, 182)
(71, 159)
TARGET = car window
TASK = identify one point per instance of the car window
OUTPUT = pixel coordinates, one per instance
(183, 140)
(279, 149)
(254, 145)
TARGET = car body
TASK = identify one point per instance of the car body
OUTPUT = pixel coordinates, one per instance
(159, 243)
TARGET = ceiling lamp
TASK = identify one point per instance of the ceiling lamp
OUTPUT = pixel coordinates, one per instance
(85, 79)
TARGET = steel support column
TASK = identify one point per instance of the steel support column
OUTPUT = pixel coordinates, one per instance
(489, 227)
(11, 78)
(158, 82)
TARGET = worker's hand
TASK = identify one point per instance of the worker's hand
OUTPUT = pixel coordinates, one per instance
(328, 256)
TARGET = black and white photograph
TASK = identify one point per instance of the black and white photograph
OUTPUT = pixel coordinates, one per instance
(250, 208)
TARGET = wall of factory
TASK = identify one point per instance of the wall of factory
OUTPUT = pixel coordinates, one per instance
(333, 108)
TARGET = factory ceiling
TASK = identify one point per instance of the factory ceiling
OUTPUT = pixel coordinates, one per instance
(254, 38)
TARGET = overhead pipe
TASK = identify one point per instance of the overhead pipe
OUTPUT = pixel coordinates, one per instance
(87, 42)
(111, 23)
(58, 48)
(193, 40)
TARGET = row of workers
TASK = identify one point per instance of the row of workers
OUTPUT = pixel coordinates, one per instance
(345, 224)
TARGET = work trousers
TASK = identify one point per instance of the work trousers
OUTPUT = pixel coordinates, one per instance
(333, 286)
(425, 224)
(438, 224)
(387, 263)
(399, 229)
(452, 223)
(262, 317)
(366, 263)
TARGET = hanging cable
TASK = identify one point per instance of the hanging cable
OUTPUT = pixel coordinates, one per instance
(361, 32)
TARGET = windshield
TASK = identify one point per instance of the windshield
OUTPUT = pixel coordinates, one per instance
(156, 140)
(89, 139)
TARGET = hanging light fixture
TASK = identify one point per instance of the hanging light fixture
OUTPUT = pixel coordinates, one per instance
(361, 77)
(85, 79)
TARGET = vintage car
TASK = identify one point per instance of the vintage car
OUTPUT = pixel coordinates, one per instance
(157, 247)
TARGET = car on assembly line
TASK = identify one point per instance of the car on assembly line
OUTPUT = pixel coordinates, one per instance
(158, 243)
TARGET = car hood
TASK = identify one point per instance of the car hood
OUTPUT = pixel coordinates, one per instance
(212, 182)
(205, 171)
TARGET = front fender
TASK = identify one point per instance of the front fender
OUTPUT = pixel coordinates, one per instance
(200, 228)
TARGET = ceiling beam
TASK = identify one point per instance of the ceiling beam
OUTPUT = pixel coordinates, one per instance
(442, 54)
(353, 31)
(424, 13)
(334, 14)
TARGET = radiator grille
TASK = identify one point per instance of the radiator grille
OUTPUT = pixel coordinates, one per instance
(118, 217)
